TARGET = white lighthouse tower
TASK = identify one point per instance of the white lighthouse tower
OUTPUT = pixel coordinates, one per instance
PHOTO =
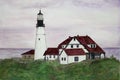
(40, 44)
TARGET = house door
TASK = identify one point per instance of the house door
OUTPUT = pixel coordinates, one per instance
(92, 56)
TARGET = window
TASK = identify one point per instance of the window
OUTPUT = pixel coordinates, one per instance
(62, 46)
(47, 58)
(77, 45)
(29, 56)
(50, 56)
(64, 59)
(54, 56)
(93, 45)
(71, 46)
(76, 58)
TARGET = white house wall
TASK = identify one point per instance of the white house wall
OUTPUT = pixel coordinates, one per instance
(102, 55)
(63, 55)
(74, 46)
(60, 50)
(86, 51)
(81, 58)
(75, 43)
(51, 57)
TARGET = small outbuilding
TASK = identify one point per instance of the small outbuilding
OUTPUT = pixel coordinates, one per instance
(29, 55)
(71, 55)
(51, 54)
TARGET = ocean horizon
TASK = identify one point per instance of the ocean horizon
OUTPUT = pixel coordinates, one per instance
(7, 53)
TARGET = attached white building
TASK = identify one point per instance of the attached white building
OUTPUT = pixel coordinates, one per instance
(90, 47)
(75, 49)
(51, 54)
(67, 56)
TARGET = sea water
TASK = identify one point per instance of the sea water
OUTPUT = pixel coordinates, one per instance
(16, 53)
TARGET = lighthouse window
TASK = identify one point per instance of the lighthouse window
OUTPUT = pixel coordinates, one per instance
(38, 38)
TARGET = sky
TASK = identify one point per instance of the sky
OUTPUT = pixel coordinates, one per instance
(99, 19)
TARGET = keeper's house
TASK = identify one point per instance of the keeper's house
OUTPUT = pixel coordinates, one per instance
(75, 49)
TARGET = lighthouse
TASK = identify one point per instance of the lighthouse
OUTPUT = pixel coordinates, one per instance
(40, 43)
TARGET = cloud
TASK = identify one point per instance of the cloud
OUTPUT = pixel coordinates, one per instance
(48, 3)
(28, 3)
(97, 3)
(63, 18)
(15, 38)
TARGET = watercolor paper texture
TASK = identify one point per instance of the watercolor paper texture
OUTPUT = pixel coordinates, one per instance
(99, 19)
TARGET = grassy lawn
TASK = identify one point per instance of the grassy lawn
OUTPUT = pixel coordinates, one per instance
(104, 69)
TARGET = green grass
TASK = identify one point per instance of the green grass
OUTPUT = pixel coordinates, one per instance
(105, 69)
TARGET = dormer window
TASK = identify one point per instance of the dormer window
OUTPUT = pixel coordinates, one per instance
(92, 45)
(63, 46)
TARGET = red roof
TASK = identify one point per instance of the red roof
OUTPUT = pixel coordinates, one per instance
(85, 41)
(52, 51)
(31, 52)
(71, 52)
(65, 42)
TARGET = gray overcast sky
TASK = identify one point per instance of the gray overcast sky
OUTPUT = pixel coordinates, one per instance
(100, 19)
